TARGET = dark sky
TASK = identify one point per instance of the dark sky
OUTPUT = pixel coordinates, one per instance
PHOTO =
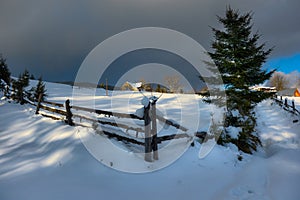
(51, 38)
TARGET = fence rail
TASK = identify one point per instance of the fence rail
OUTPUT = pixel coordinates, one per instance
(54, 110)
(285, 105)
(107, 113)
(54, 104)
(149, 128)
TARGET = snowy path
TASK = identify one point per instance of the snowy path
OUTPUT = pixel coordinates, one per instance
(297, 102)
(281, 140)
(43, 159)
(275, 172)
(276, 127)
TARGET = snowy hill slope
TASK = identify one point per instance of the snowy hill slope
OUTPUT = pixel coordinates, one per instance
(45, 159)
(296, 100)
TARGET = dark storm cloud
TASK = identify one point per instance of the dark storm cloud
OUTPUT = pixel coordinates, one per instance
(53, 37)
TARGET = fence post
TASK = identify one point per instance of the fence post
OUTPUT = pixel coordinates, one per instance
(69, 113)
(154, 130)
(147, 120)
(280, 98)
(285, 102)
(293, 105)
(38, 104)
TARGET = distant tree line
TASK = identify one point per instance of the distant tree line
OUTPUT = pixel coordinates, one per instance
(284, 81)
(17, 89)
(171, 85)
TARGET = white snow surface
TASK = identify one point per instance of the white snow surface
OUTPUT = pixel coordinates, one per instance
(43, 159)
(296, 100)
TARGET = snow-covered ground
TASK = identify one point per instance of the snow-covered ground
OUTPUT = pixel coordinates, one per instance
(297, 102)
(44, 159)
(295, 99)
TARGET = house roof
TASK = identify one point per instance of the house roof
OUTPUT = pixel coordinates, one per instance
(287, 92)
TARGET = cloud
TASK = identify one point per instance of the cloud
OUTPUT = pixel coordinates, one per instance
(53, 37)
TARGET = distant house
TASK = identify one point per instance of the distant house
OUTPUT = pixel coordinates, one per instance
(297, 93)
(203, 92)
(291, 92)
(264, 89)
(131, 86)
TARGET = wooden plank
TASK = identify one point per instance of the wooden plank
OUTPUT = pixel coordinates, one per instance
(62, 112)
(168, 122)
(120, 138)
(54, 104)
(171, 137)
(110, 123)
(121, 126)
(202, 135)
(108, 113)
(50, 116)
(83, 109)
(30, 102)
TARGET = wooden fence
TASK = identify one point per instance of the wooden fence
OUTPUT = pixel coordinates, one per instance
(149, 128)
(284, 103)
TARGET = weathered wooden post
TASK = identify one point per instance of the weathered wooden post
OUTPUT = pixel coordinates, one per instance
(293, 105)
(147, 121)
(154, 130)
(285, 102)
(280, 98)
(38, 104)
(69, 114)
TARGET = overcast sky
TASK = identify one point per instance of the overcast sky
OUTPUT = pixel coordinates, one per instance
(51, 38)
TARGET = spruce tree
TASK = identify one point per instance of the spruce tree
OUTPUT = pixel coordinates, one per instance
(158, 88)
(24, 78)
(4, 76)
(20, 85)
(40, 89)
(32, 77)
(239, 58)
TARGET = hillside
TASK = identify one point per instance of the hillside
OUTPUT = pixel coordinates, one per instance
(45, 159)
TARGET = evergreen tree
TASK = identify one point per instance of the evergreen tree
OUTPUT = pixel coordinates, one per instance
(4, 76)
(40, 89)
(24, 78)
(158, 88)
(239, 59)
(102, 85)
(20, 85)
(143, 87)
(17, 93)
(32, 77)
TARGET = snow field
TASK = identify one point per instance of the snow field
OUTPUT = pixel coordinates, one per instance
(44, 159)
